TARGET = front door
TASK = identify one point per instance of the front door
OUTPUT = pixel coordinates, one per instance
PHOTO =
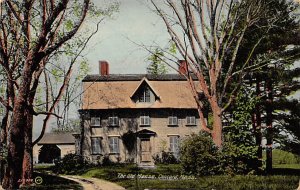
(145, 150)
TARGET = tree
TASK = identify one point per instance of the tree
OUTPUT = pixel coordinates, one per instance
(31, 33)
(208, 35)
(276, 78)
(156, 67)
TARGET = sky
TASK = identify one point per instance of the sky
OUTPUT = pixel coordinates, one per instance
(118, 39)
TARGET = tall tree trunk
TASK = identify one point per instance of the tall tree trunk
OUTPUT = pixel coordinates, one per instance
(3, 145)
(217, 123)
(28, 161)
(256, 123)
(16, 145)
(269, 119)
(17, 129)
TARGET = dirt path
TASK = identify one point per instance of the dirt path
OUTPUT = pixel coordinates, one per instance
(94, 183)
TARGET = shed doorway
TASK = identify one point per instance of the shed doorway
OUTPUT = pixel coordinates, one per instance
(49, 153)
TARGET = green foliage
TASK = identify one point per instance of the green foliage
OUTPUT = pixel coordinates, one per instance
(199, 155)
(157, 65)
(239, 153)
(165, 158)
(70, 164)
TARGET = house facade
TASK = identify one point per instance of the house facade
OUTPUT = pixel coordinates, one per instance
(132, 118)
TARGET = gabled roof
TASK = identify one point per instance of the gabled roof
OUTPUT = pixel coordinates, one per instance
(134, 77)
(144, 81)
(57, 138)
(115, 92)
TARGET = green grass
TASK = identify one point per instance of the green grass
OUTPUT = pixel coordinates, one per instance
(289, 166)
(220, 183)
(281, 157)
(282, 180)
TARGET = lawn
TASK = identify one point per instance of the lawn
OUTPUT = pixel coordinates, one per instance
(44, 181)
(170, 177)
(285, 176)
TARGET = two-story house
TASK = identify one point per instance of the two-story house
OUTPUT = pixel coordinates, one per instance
(134, 117)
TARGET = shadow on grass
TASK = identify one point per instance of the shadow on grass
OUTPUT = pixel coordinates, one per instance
(44, 181)
(286, 171)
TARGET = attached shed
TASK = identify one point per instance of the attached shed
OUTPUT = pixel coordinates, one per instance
(53, 146)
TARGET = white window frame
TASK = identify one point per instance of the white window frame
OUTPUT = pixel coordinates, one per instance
(96, 145)
(189, 120)
(145, 95)
(174, 141)
(144, 118)
(172, 120)
(114, 145)
(113, 121)
(95, 121)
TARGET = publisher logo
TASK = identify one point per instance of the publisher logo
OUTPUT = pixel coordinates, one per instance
(38, 180)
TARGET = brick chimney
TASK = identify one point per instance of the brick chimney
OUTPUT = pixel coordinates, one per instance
(182, 67)
(103, 68)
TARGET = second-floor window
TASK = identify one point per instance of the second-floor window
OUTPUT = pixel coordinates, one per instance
(145, 120)
(145, 94)
(114, 145)
(173, 120)
(96, 145)
(191, 120)
(113, 121)
(95, 121)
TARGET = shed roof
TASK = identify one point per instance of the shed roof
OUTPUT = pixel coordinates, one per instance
(57, 138)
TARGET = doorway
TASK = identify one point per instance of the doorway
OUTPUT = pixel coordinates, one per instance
(145, 150)
(49, 153)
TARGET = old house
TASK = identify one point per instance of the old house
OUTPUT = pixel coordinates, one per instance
(135, 117)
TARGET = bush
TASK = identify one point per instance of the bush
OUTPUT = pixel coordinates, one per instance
(165, 158)
(70, 164)
(199, 156)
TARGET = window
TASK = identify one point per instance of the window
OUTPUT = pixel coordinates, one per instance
(190, 120)
(174, 145)
(173, 120)
(113, 121)
(114, 145)
(145, 120)
(96, 145)
(95, 121)
(145, 94)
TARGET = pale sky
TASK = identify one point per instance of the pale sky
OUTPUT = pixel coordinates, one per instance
(134, 22)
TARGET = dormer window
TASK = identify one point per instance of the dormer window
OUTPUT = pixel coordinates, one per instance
(95, 121)
(145, 94)
(190, 120)
(173, 121)
(113, 121)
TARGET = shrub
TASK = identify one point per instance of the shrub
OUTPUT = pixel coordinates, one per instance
(70, 164)
(106, 161)
(165, 158)
(199, 155)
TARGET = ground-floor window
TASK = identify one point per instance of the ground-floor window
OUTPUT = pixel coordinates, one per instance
(174, 145)
(96, 145)
(114, 145)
